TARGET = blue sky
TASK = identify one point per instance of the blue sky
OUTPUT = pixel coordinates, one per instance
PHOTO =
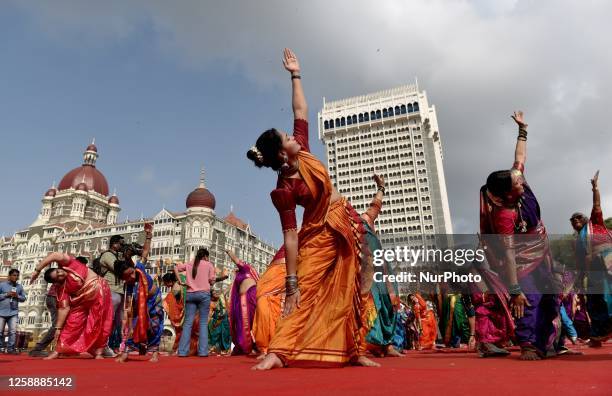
(166, 87)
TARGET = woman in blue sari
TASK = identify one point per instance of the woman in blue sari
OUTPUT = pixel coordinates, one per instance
(594, 263)
(143, 323)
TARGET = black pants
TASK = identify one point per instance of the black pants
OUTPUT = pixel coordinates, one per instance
(52, 307)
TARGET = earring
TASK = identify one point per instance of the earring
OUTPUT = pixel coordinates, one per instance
(285, 164)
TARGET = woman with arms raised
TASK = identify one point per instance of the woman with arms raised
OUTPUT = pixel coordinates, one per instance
(85, 310)
(321, 324)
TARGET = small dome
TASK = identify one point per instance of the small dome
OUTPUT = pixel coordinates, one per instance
(82, 187)
(92, 147)
(201, 198)
(51, 192)
(113, 200)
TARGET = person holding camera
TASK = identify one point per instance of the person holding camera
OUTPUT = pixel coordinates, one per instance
(105, 268)
(11, 294)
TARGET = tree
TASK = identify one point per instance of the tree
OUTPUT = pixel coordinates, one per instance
(608, 223)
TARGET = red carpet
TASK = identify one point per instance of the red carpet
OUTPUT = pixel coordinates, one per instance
(418, 373)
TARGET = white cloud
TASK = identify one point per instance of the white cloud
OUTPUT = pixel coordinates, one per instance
(479, 60)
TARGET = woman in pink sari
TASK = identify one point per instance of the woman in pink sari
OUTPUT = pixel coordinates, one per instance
(84, 316)
(243, 301)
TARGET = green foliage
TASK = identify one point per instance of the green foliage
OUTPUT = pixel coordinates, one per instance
(608, 223)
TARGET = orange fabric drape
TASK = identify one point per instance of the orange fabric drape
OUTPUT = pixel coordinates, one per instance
(270, 300)
(325, 329)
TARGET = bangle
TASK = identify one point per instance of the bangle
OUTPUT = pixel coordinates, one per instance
(381, 188)
(515, 289)
(297, 76)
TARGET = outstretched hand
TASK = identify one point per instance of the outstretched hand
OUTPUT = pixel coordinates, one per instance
(290, 61)
(380, 181)
(595, 179)
(518, 117)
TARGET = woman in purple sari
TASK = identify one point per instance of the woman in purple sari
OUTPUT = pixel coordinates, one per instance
(243, 301)
(511, 211)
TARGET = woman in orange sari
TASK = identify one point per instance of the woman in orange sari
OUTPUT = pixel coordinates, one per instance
(322, 312)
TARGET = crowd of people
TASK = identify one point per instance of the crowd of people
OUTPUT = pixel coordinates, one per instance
(317, 303)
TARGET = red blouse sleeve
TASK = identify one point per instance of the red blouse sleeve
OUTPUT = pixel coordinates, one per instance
(504, 221)
(597, 217)
(300, 133)
(285, 204)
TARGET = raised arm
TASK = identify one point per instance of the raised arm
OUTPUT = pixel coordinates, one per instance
(300, 108)
(148, 228)
(596, 196)
(376, 205)
(233, 257)
(520, 153)
(60, 258)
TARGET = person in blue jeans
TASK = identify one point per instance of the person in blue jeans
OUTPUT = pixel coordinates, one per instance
(200, 276)
(11, 294)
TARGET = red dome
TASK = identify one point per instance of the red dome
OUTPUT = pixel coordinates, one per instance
(51, 192)
(87, 174)
(113, 200)
(201, 198)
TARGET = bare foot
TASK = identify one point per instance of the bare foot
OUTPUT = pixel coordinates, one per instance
(52, 355)
(528, 355)
(392, 352)
(154, 358)
(122, 358)
(262, 356)
(99, 356)
(365, 362)
(269, 362)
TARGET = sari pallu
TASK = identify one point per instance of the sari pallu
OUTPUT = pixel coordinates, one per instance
(270, 301)
(148, 315)
(242, 310)
(89, 321)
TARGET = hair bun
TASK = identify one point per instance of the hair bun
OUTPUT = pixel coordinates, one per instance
(256, 156)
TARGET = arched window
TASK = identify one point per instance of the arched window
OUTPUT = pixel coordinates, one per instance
(415, 106)
(331, 123)
(372, 115)
(326, 123)
(410, 108)
(378, 114)
(349, 120)
(361, 117)
(366, 117)
(385, 113)
(354, 119)
(397, 110)
(390, 111)
(342, 121)
(337, 122)
(403, 109)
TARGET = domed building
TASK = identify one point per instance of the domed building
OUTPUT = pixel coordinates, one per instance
(78, 216)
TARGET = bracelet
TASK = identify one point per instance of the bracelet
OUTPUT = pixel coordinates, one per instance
(381, 188)
(297, 76)
(515, 289)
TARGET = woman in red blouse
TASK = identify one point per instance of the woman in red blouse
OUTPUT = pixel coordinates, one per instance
(321, 316)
